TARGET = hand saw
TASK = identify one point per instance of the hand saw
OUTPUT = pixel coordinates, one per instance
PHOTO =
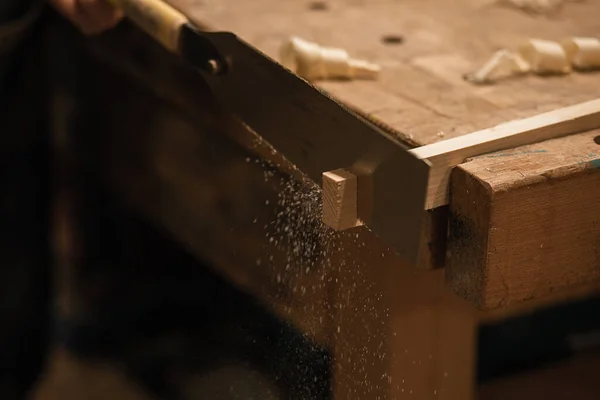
(310, 129)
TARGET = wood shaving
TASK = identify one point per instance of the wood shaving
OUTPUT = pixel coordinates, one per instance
(584, 52)
(313, 62)
(502, 63)
(545, 57)
(542, 57)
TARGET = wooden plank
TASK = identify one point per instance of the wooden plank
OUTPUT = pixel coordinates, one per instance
(524, 222)
(420, 93)
(447, 154)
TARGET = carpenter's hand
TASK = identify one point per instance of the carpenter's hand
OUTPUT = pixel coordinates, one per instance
(90, 16)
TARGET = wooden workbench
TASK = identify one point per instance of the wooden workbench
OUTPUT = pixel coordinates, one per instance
(396, 332)
(421, 94)
(425, 48)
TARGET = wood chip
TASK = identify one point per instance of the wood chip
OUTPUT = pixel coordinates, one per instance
(314, 62)
(542, 57)
(502, 63)
(545, 57)
(583, 52)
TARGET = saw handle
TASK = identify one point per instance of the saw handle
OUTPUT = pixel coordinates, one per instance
(157, 18)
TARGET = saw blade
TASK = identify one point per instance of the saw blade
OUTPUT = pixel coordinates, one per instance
(316, 133)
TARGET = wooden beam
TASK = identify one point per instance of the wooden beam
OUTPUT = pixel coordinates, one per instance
(524, 223)
(449, 153)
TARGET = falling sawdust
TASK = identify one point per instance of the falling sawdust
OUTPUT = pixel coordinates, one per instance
(297, 230)
(298, 233)
(298, 224)
(314, 260)
(314, 248)
(297, 253)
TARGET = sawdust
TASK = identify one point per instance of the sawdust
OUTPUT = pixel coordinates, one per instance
(298, 229)
(334, 258)
(318, 259)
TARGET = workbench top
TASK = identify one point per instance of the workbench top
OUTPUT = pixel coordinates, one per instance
(421, 92)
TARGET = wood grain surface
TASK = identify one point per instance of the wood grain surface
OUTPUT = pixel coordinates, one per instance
(446, 155)
(421, 92)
